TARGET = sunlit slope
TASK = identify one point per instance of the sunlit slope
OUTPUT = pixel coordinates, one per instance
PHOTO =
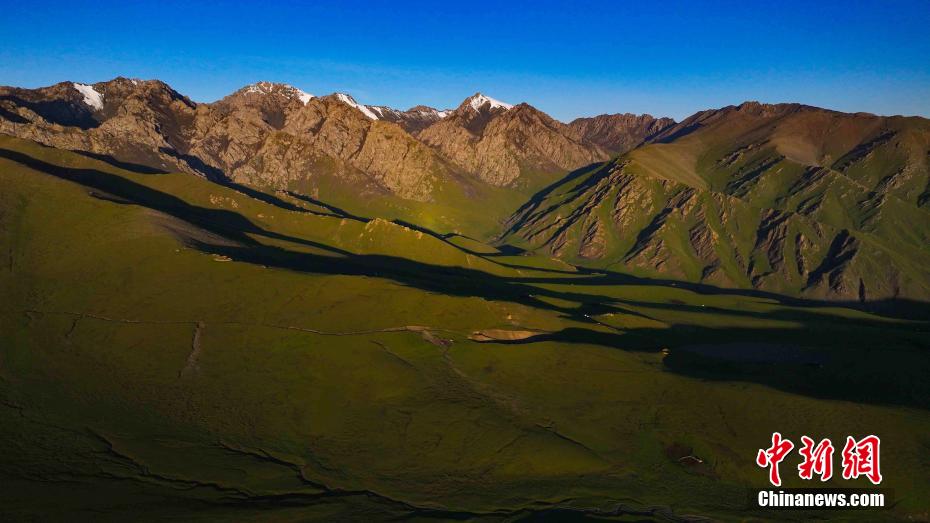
(199, 354)
(786, 198)
(465, 208)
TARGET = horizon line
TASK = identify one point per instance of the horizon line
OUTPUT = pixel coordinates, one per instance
(482, 92)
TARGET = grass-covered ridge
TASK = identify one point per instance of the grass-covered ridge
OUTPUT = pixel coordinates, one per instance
(193, 351)
(788, 199)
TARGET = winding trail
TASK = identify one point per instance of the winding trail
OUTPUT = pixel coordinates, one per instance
(191, 364)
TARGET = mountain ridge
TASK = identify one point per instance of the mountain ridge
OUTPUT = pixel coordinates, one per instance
(147, 120)
(779, 197)
(785, 198)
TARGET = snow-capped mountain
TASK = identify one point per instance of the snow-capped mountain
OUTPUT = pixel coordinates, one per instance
(479, 101)
(272, 88)
(274, 133)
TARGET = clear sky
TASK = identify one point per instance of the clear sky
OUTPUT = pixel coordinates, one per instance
(567, 58)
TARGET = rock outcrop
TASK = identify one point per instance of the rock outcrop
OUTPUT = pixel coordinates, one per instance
(619, 133)
(274, 135)
(507, 145)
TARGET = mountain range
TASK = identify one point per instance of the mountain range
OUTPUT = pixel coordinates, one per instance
(784, 198)
(274, 134)
(281, 306)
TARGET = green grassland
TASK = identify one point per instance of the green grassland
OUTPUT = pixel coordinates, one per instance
(173, 348)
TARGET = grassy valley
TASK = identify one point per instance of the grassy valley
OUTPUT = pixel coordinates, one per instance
(212, 352)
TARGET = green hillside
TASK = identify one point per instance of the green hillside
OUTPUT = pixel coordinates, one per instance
(782, 198)
(174, 348)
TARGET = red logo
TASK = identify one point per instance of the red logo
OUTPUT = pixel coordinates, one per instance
(774, 455)
(860, 458)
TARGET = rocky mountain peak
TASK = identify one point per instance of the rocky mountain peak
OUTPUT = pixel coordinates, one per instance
(479, 102)
(269, 132)
(508, 145)
(425, 109)
(618, 133)
(412, 120)
(272, 88)
(348, 100)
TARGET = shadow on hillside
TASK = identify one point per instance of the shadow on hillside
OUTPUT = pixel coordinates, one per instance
(11, 116)
(525, 210)
(857, 359)
(678, 133)
(820, 358)
(228, 224)
(61, 112)
(214, 174)
(219, 177)
(336, 211)
(901, 308)
(128, 166)
(264, 197)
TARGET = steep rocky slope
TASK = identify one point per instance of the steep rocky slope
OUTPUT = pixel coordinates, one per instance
(619, 133)
(265, 133)
(784, 198)
(507, 145)
(412, 120)
(138, 121)
(278, 137)
(327, 136)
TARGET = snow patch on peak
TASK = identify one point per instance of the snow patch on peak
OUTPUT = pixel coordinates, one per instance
(381, 109)
(260, 88)
(479, 100)
(92, 97)
(428, 112)
(348, 100)
(304, 97)
(288, 90)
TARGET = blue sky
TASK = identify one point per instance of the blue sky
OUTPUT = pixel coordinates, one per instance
(567, 58)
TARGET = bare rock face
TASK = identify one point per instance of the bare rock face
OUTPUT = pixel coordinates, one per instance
(382, 150)
(619, 133)
(226, 135)
(265, 133)
(141, 121)
(274, 134)
(783, 198)
(507, 145)
(412, 120)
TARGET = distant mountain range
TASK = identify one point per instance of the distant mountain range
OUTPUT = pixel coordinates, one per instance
(275, 134)
(786, 198)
